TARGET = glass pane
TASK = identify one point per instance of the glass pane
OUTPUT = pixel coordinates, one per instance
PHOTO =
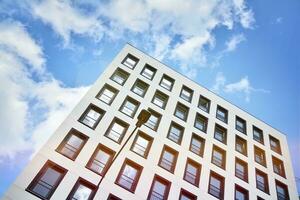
(107, 96)
(100, 161)
(158, 191)
(129, 62)
(239, 195)
(148, 73)
(128, 176)
(140, 146)
(82, 193)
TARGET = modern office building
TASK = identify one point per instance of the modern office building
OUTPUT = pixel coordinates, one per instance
(195, 145)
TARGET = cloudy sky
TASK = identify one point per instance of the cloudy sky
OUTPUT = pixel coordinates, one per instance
(52, 51)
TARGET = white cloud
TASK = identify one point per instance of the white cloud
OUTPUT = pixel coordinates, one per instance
(243, 86)
(153, 23)
(22, 99)
(66, 19)
(232, 43)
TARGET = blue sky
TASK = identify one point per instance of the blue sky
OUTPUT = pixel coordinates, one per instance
(52, 51)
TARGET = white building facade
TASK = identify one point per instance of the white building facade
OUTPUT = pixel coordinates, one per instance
(195, 145)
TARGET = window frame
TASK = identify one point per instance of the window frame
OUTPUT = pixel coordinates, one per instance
(162, 181)
(242, 190)
(202, 141)
(275, 161)
(197, 176)
(238, 138)
(263, 153)
(121, 72)
(139, 170)
(245, 165)
(147, 66)
(223, 132)
(260, 132)
(164, 98)
(188, 194)
(120, 122)
(85, 113)
(146, 137)
(95, 153)
(144, 84)
(225, 111)
(168, 78)
(130, 56)
(81, 181)
(222, 182)
(203, 118)
(184, 108)
(189, 90)
(278, 149)
(244, 130)
(48, 164)
(207, 101)
(62, 144)
(133, 101)
(175, 158)
(156, 114)
(110, 88)
(221, 151)
(180, 128)
(284, 186)
(266, 181)
(113, 197)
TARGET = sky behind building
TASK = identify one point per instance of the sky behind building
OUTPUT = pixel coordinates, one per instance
(52, 51)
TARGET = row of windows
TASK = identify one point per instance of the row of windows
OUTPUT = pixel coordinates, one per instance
(118, 128)
(160, 99)
(49, 177)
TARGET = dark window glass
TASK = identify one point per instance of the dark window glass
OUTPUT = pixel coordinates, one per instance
(175, 133)
(181, 111)
(204, 103)
(241, 145)
(159, 189)
(92, 116)
(258, 135)
(216, 185)
(260, 156)
(275, 144)
(278, 166)
(282, 191)
(220, 134)
(262, 181)
(82, 190)
(154, 120)
(241, 193)
(197, 145)
(168, 159)
(192, 172)
(241, 169)
(201, 122)
(240, 125)
(100, 159)
(222, 114)
(218, 157)
(72, 144)
(47, 180)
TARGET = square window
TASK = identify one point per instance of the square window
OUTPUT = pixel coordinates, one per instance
(220, 134)
(216, 185)
(167, 82)
(116, 130)
(107, 94)
(140, 88)
(100, 159)
(204, 103)
(192, 172)
(129, 106)
(282, 191)
(113, 197)
(181, 111)
(168, 159)
(185, 195)
(240, 125)
(259, 156)
(275, 144)
(72, 144)
(160, 188)
(241, 145)
(258, 135)
(201, 122)
(92, 116)
(142, 144)
(160, 99)
(222, 114)
(278, 166)
(47, 180)
(241, 193)
(241, 169)
(197, 144)
(130, 61)
(129, 175)
(154, 120)
(120, 76)
(148, 72)
(82, 190)
(175, 133)
(186, 93)
(262, 181)
(218, 157)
